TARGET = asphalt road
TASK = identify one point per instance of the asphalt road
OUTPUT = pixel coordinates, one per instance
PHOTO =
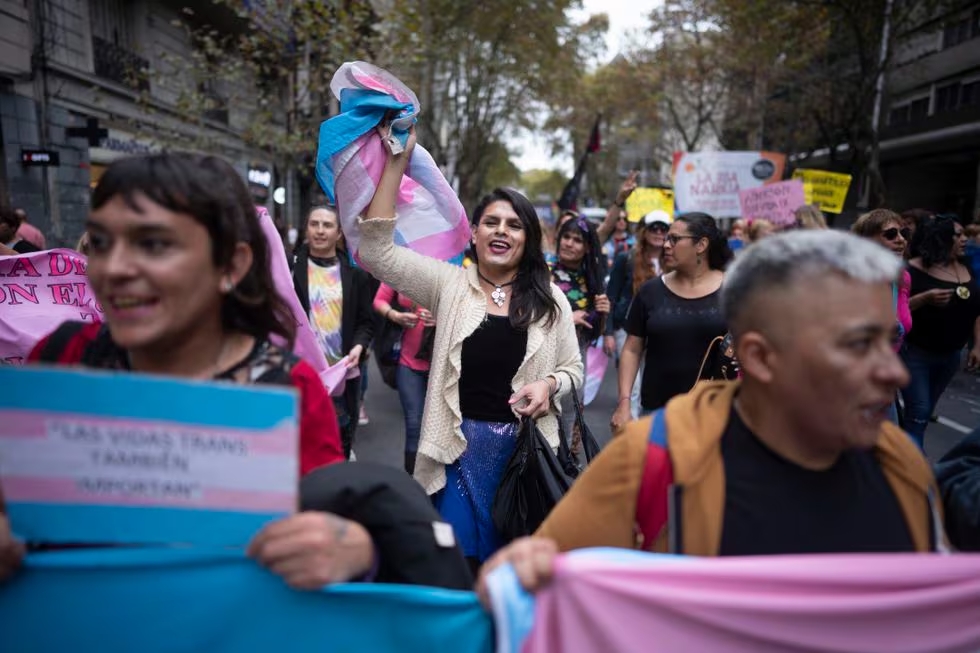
(383, 439)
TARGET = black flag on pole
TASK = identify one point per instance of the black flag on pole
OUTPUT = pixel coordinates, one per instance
(569, 195)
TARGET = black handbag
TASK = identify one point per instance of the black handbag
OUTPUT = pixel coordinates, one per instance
(590, 446)
(719, 362)
(532, 483)
(387, 350)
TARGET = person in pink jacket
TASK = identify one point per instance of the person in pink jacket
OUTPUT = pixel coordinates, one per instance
(418, 333)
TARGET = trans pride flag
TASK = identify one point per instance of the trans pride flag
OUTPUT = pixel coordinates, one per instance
(633, 602)
(351, 157)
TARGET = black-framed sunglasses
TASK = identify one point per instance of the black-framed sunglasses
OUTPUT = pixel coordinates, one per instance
(893, 233)
(658, 227)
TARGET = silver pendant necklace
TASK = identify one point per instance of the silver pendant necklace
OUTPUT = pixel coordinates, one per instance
(499, 295)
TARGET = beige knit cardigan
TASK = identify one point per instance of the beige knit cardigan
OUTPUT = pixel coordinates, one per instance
(459, 305)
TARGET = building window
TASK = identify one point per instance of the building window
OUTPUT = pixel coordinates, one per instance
(899, 115)
(113, 44)
(919, 110)
(112, 22)
(948, 97)
(961, 30)
(970, 93)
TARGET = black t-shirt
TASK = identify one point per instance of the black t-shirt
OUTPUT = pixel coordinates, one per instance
(773, 506)
(677, 332)
(943, 329)
(489, 361)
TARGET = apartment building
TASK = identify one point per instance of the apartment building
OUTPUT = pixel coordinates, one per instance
(930, 139)
(85, 82)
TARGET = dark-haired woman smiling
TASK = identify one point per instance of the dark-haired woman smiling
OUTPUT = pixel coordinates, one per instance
(674, 318)
(505, 347)
(179, 261)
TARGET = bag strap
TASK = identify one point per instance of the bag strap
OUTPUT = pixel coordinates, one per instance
(707, 354)
(653, 494)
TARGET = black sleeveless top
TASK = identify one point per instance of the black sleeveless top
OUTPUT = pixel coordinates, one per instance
(490, 359)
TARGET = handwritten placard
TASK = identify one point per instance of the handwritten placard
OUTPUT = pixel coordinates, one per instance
(827, 190)
(100, 457)
(773, 202)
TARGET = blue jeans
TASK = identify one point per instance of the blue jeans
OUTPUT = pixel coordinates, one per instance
(930, 374)
(411, 392)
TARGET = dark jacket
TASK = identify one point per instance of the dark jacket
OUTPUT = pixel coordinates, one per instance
(357, 318)
(413, 544)
(958, 474)
(620, 291)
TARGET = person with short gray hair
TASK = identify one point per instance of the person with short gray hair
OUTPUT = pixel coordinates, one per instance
(797, 457)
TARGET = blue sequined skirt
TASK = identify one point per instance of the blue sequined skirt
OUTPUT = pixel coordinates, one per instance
(471, 485)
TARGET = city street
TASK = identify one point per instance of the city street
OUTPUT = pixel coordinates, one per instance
(382, 440)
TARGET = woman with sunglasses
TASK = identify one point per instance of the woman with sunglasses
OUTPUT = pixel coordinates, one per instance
(629, 272)
(676, 317)
(945, 303)
(887, 229)
(505, 348)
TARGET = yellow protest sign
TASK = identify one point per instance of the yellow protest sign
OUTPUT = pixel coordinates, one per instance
(643, 200)
(827, 190)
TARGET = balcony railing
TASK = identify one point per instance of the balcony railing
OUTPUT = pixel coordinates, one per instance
(120, 65)
(959, 116)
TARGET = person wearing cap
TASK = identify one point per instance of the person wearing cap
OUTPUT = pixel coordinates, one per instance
(631, 270)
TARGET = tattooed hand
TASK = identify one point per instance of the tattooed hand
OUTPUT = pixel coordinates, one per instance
(313, 549)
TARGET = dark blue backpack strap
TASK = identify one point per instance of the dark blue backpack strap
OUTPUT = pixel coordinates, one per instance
(658, 429)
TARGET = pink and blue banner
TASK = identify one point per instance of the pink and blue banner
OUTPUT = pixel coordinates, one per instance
(351, 156)
(596, 363)
(106, 457)
(159, 600)
(38, 292)
(626, 601)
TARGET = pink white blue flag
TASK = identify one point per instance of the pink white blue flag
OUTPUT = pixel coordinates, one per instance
(627, 601)
(596, 363)
(351, 157)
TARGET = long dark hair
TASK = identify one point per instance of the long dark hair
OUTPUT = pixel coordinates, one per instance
(592, 267)
(532, 299)
(938, 240)
(702, 225)
(209, 190)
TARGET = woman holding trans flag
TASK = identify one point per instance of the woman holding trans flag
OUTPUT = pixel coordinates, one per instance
(505, 347)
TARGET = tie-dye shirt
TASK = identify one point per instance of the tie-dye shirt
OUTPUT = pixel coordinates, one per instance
(326, 308)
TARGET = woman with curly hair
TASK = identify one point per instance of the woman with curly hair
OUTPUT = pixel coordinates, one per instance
(945, 303)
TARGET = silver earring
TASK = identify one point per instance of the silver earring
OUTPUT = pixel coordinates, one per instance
(227, 285)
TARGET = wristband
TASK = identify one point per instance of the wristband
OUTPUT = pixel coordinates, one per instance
(622, 399)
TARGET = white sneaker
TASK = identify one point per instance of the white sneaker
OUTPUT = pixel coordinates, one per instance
(362, 419)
